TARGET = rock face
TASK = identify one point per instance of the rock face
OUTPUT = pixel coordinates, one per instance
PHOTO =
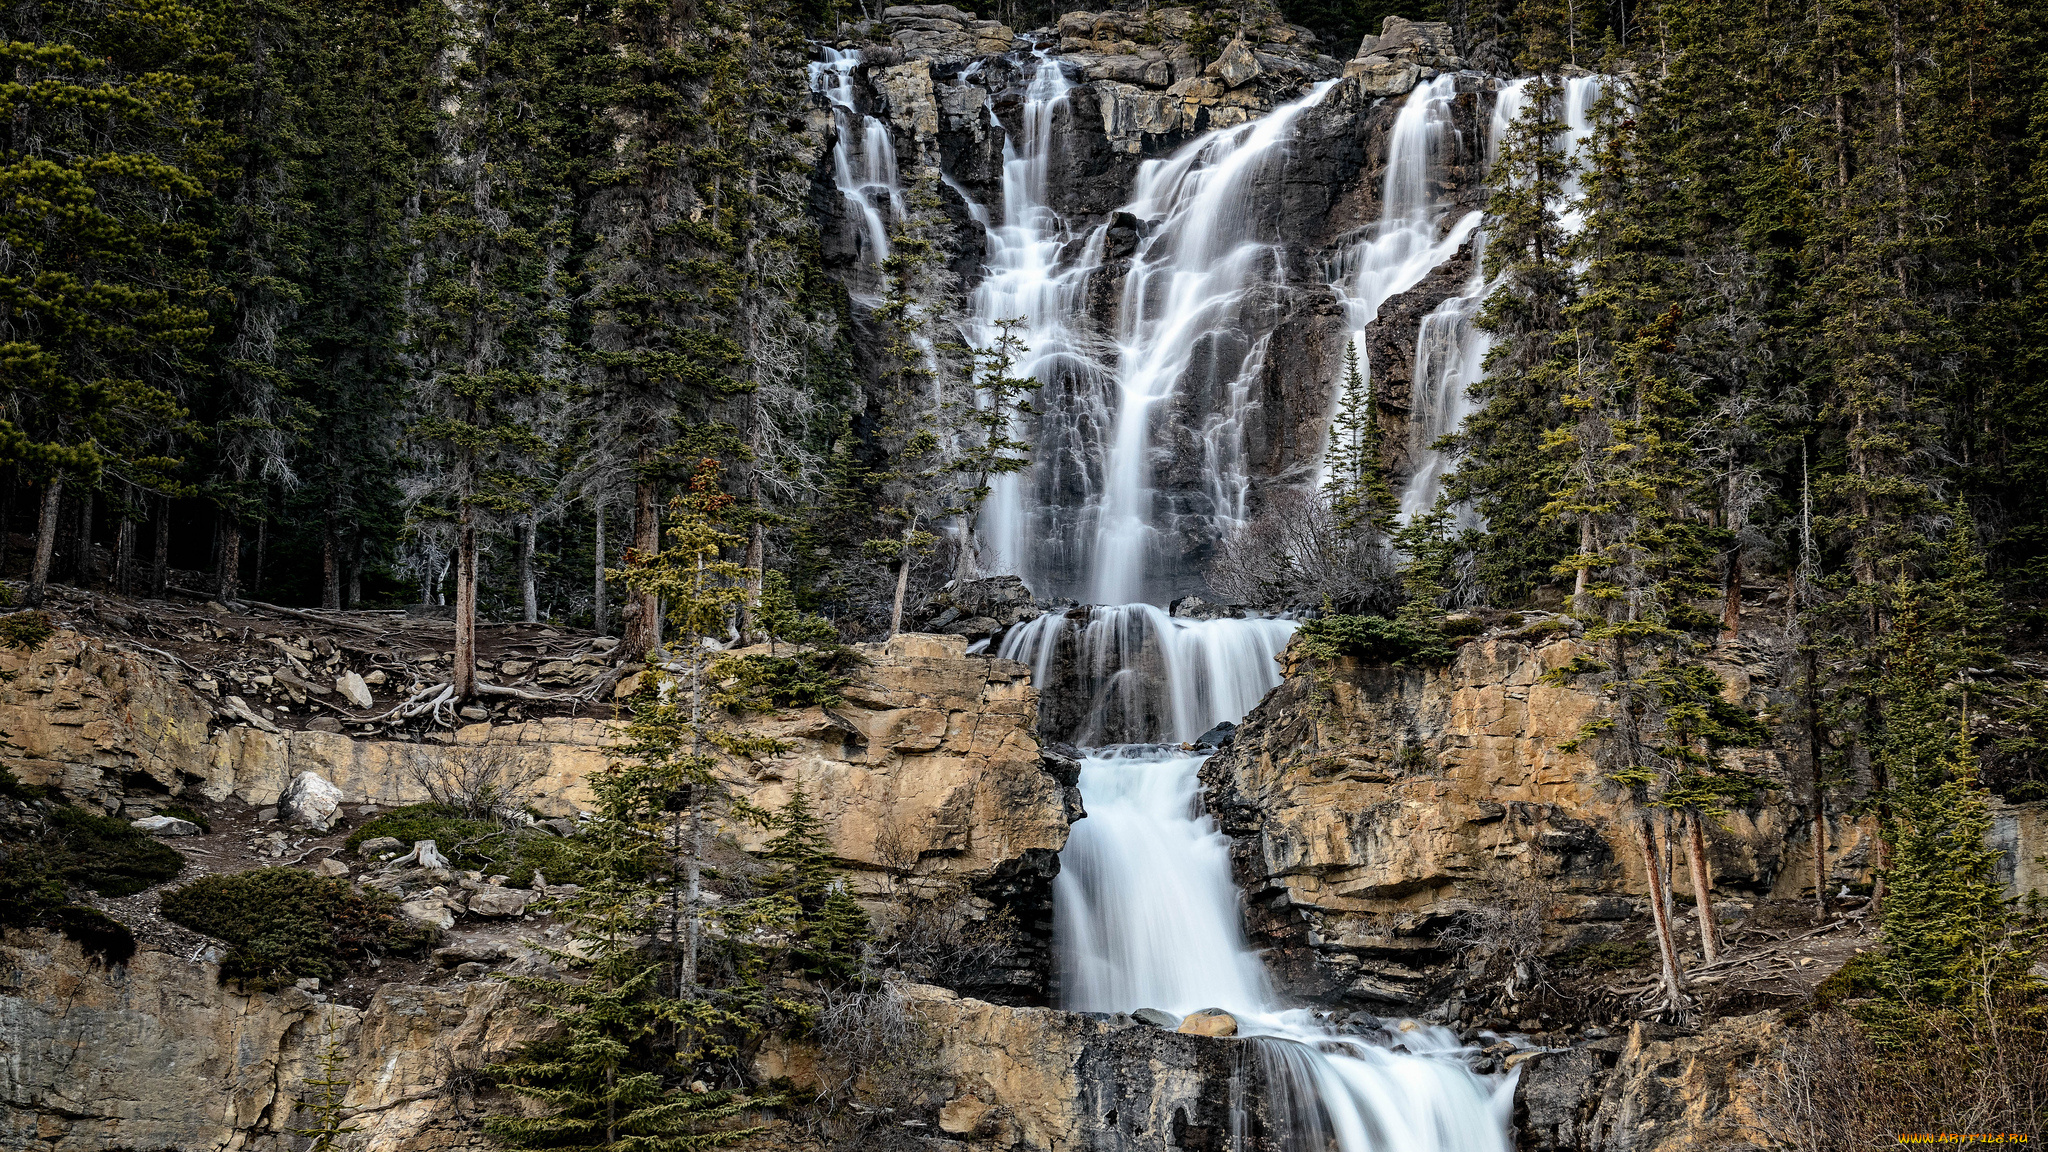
(1364, 822)
(157, 1054)
(1655, 1090)
(927, 778)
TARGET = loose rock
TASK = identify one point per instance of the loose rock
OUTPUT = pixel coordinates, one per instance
(310, 802)
(1209, 1022)
(165, 826)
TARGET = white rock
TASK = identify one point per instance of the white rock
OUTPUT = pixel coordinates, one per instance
(310, 802)
(351, 686)
(329, 866)
(489, 901)
(430, 913)
(165, 826)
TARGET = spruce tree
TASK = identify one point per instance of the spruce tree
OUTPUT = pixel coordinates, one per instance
(1355, 478)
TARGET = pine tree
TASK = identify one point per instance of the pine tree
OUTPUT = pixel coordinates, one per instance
(988, 445)
(1355, 479)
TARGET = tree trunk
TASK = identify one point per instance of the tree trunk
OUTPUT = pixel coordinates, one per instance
(529, 606)
(46, 541)
(1731, 603)
(1702, 885)
(82, 568)
(228, 584)
(902, 585)
(597, 604)
(354, 594)
(7, 502)
(464, 674)
(1674, 976)
(643, 619)
(160, 550)
(330, 565)
(124, 553)
(262, 548)
(1816, 800)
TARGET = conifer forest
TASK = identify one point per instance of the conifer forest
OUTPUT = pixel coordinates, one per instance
(1248, 575)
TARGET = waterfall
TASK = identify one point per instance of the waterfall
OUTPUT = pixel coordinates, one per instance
(1136, 674)
(1450, 350)
(1146, 913)
(1086, 520)
(863, 157)
(1146, 916)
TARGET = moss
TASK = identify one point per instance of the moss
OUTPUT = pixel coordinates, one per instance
(1607, 956)
(110, 857)
(282, 924)
(483, 845)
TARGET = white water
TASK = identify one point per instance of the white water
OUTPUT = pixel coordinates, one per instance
(1146, 916)
(1450, 350)
(1146, 913)
(863, 157)
(1151, 676)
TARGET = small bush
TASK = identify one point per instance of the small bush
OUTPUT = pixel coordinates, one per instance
(486, 846)
(1545, 628)
(31, 897)
(1372, 639)
(110, 857)
(1455, 627)
(803, 679)
(1608, 956)
(26, 631)
(283, 924)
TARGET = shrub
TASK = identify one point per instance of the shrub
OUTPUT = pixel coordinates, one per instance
(483, 845)
(32, 897)
(803, 679)
(282, 924)
(110, 857)
(1373, 640)
(26, 631)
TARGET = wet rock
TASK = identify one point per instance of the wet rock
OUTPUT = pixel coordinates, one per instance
(310, 802)
(1062, 762)
(1218, 737)
(1209, 1022)
(165, 826)
(1380, 76)
(1157, 1018)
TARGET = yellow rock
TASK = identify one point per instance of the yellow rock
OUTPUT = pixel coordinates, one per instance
(1209, 1022)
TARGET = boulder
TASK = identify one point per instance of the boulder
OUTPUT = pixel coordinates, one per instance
(329, 866)
(377, 846)
(1237, 66)
(165, 826)
(429, 912)
(1379, 76)
(493, 901)
(310, 802)
(1209, 1022)
(472, 952)
(1157, 1019)
(1218, 737)
(353, 689)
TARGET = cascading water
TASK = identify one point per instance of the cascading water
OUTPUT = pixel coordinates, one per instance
(1146, 912)
(1450, 350)
(863, 157)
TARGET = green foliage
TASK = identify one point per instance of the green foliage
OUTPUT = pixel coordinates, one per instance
(328, 1102)
(488, 846)
(105, 854)
(1371, 640)
(1356, 481)
(32, 896)
(803, 679)
(831, 929)
(283, 924)
(784, 620)
(1579, 665)
(26, 631)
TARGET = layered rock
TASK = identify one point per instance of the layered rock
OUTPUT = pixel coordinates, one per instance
(1371, 806)
(927, 778)
(1657, 1089)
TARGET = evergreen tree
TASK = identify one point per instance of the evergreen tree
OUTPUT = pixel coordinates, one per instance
(1355, 480)
(988, 445)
